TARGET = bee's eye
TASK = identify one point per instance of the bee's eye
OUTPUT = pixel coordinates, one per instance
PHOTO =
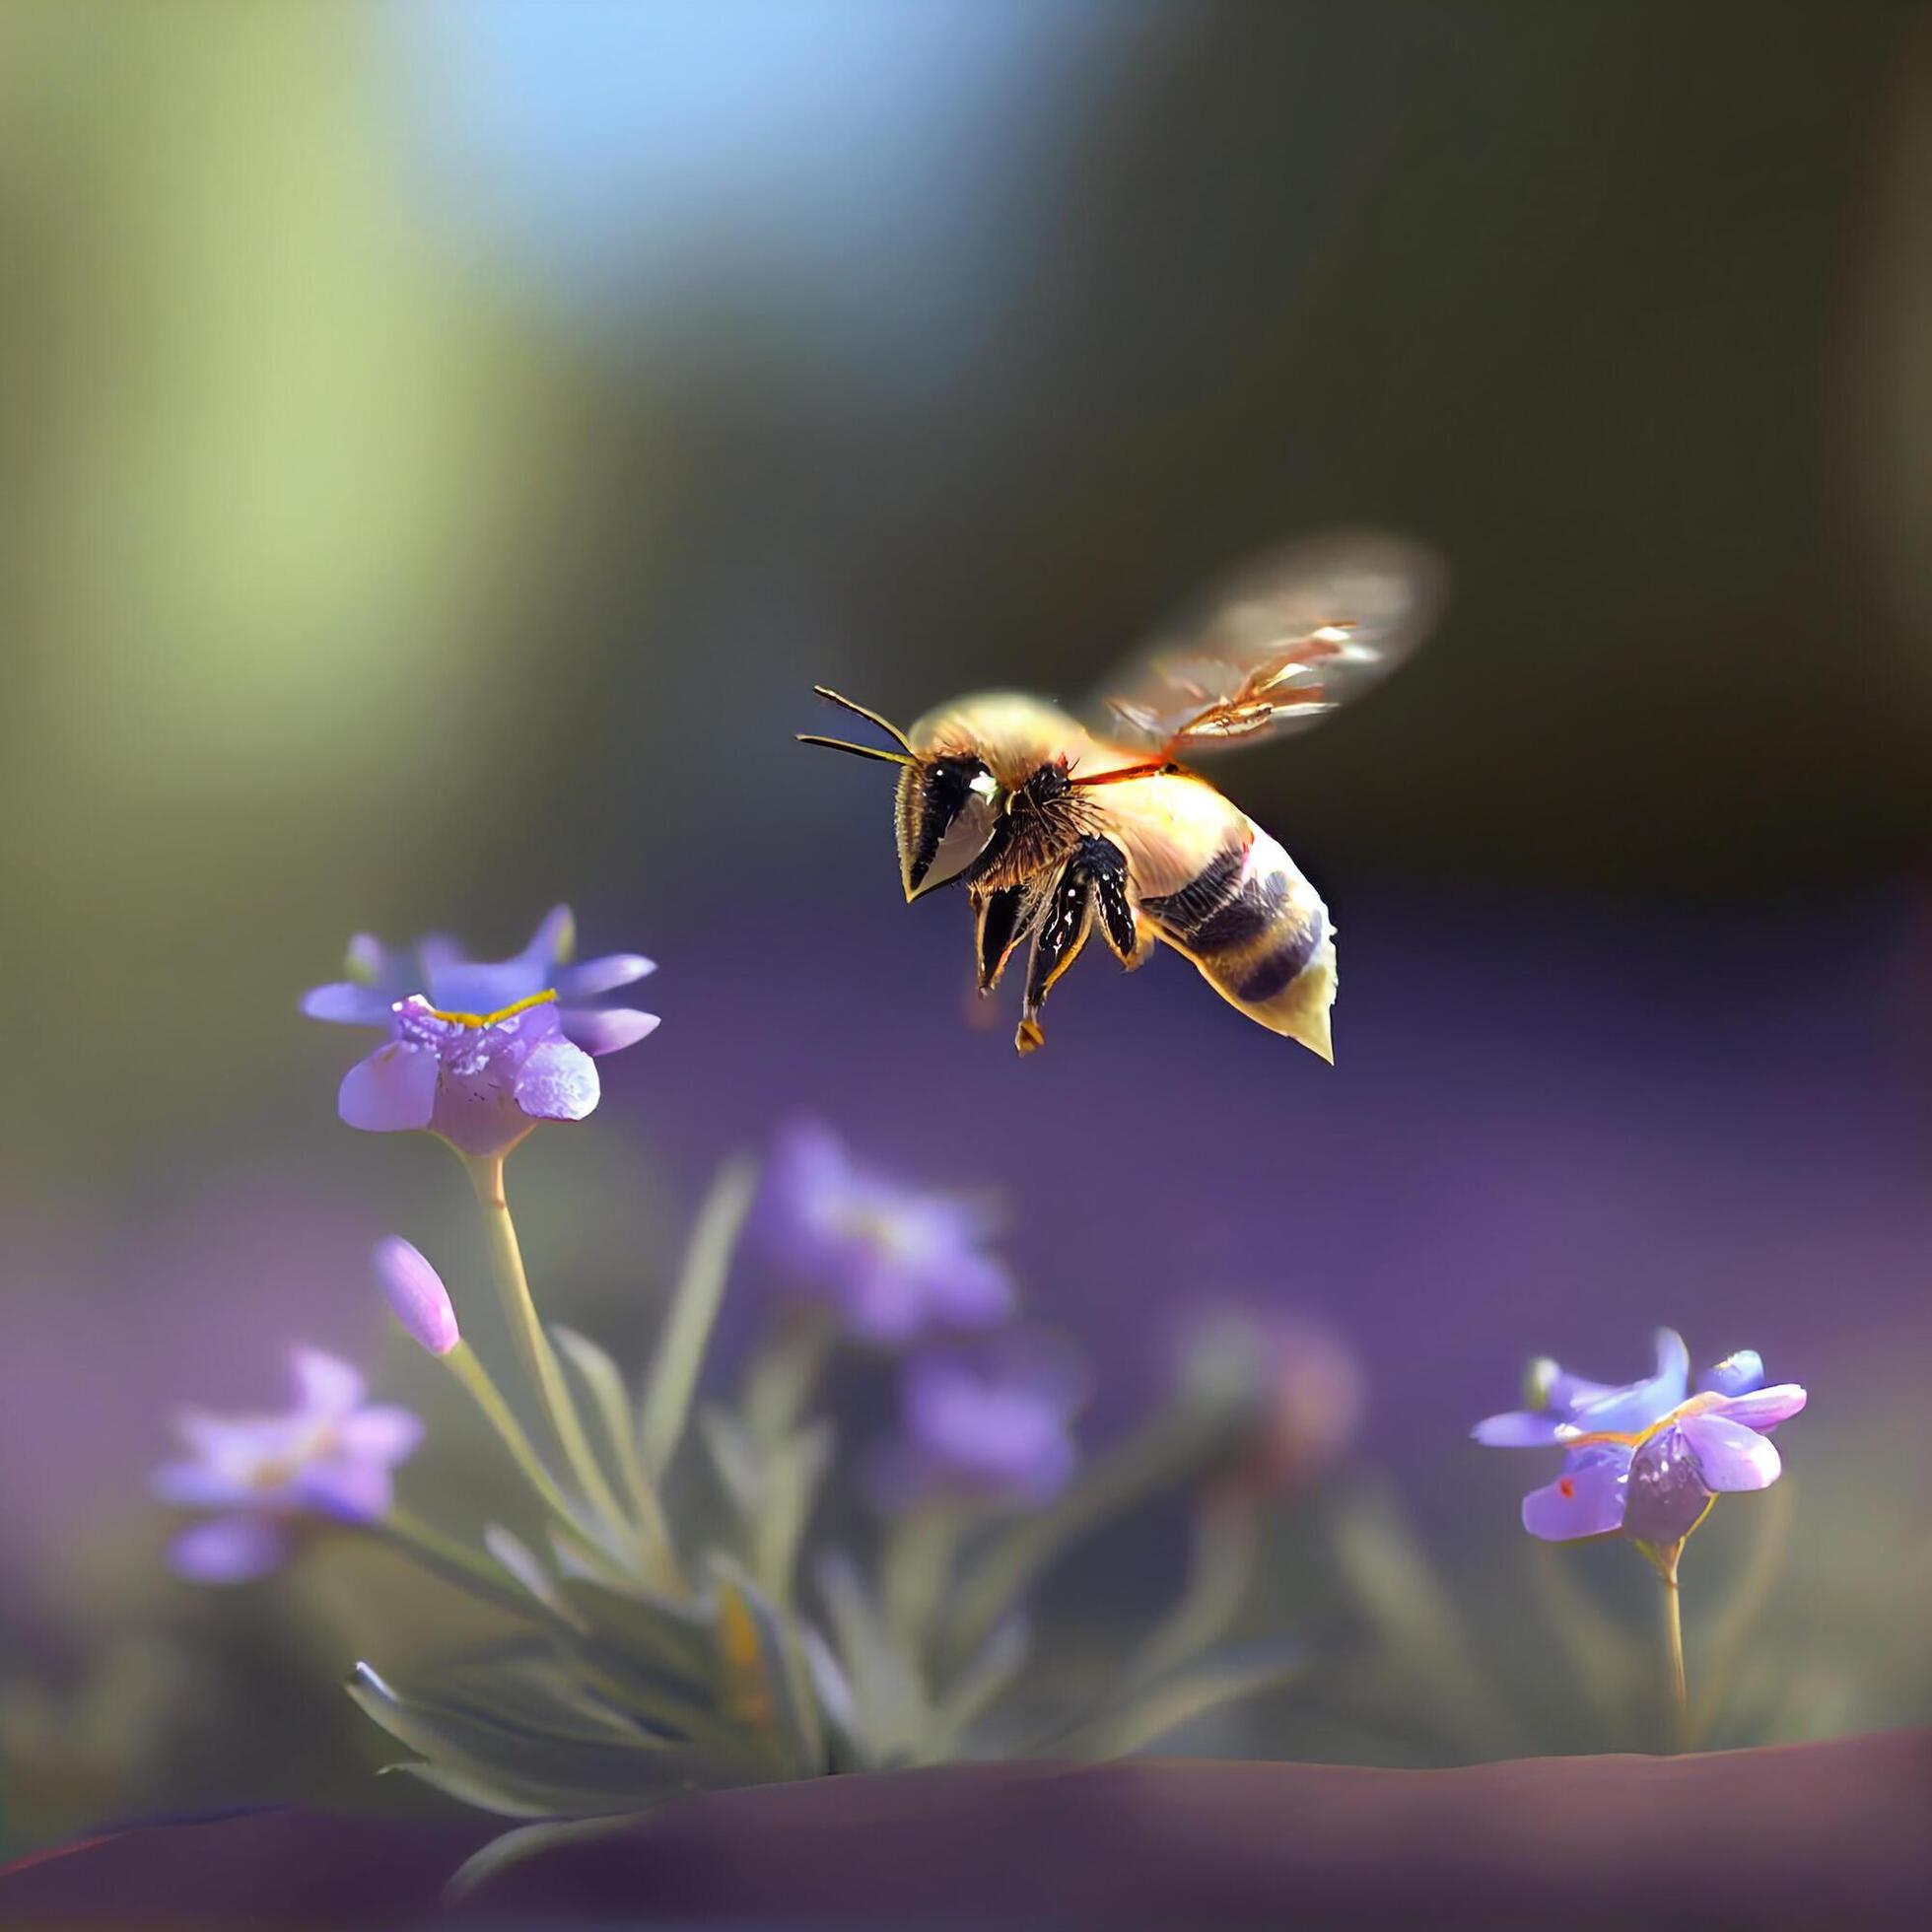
(948, 807)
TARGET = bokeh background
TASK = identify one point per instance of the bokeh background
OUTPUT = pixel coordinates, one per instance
(441, 442)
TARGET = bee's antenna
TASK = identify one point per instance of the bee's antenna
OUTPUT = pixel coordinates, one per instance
(858, 750)
(891, 730)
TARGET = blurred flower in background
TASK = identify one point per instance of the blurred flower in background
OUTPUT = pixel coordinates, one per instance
(331, 1454)
(889, 1260)
(988, 1425)
(1294, 1383)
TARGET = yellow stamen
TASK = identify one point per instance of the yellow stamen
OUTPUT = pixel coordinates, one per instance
(510, 1012)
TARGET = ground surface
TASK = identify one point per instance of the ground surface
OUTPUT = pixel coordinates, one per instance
(1838, 1833)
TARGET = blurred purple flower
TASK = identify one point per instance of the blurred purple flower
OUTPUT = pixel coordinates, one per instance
(892, 1262)
(1643, 1457)
(479, 1051)
(330, 1455)
(988, 1425)
(1294, 1384)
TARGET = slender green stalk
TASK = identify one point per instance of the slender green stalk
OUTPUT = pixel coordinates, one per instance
(915, 1569)
(1226, 1539)
(1166, 1451)
(1680, 1697)
(785, 1374)
(467, 1367)
(539, 1358)
(449, 1560)
(655, 1550)
(1662, 1559)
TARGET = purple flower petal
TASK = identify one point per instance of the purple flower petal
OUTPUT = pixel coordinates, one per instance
(1640, 1403)
(346, 1004)
(1735, 1375)
(392, 1090)
(1762, 1408)
(591, 976)
(196, 1486)
(230, 1549)
(970, 1291)
(1520, 1428)
(1587, 1499)
(347, 1487)
(607, 1031)
(1564, 1392)
(992, 1424)
(326, 1387)
(553, 942)
(1668, 1493)
(468, 985)
(557, 1083)
(1729, 1455)
(382, 1433)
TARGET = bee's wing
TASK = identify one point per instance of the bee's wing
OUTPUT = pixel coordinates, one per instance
(1278, 645)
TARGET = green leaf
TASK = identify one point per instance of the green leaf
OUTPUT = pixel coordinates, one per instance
(1142, 1719)
(763, 1678)
(734, 1456)
(892, 1713)
(1422, 1631)
(605, 1385)
(517, 1560)
(524, 1770)
(680, 1353)
(983, 1682)
(794, 1472)
(528, 1841)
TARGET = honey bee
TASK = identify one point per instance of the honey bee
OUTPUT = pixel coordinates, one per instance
(1054, 826)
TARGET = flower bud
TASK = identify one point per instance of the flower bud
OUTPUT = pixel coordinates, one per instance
(416, 1293)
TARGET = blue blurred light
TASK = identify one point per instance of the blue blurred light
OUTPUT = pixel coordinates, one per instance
(626, 149)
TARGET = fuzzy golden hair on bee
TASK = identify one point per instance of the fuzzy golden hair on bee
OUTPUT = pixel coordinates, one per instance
(1056, 828)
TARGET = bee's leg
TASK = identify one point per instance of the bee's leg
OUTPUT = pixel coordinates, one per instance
(1106, 865)
(1065, 922)
(1001, 927)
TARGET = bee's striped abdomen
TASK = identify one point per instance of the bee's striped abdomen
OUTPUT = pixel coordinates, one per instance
(1259, 935)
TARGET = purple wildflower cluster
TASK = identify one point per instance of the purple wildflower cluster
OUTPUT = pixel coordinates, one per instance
(1647, 1458)
(478, 1052)
(902, 1266)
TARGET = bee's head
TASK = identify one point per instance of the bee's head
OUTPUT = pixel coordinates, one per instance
(948, 807)
(948, 804)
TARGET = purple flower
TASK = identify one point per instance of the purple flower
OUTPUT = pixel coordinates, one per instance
(330, 1455)
(990, 1426)
(1294, 1383)
(1645, 1457)
(480, 1052)
(892, 1262)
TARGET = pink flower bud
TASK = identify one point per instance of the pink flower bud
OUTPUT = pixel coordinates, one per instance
(416, 1293)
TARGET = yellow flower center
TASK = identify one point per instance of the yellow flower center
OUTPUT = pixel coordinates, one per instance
(510, 1012)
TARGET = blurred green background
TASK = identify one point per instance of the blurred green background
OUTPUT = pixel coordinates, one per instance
(440, 444)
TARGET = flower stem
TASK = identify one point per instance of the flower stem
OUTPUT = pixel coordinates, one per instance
(468, 1369)
(539, 1358)
(784, 1375)
(1166, 1450)
(1679, 1694)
